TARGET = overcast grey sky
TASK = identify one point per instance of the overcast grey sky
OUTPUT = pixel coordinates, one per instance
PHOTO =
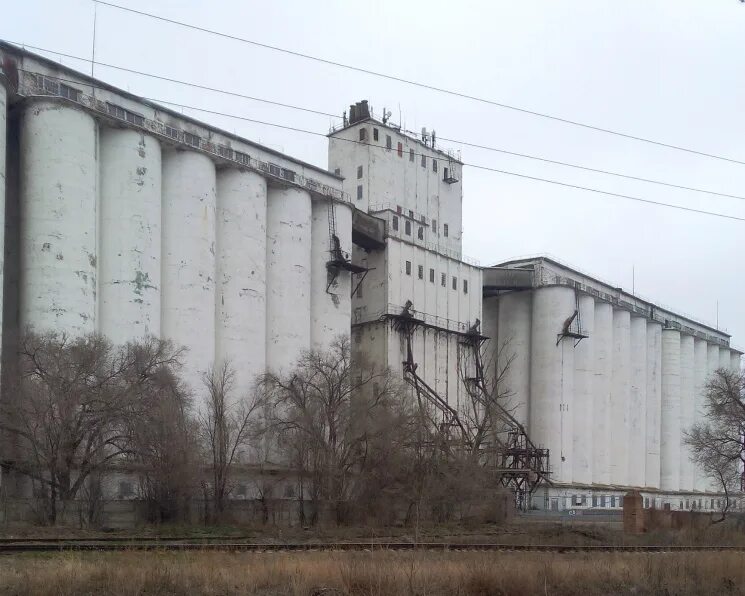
(670, 70)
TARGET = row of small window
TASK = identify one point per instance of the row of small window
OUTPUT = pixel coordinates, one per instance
(443, 277)
(420, 230)
(400, 150)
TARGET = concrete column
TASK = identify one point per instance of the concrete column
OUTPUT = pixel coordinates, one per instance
(130, 235)
(725, 362)
(735, 362)
(188, 262)
(712, 364)
(637, 461)
(58, 172)
(3, 153)
(654, 404)
(601, 388)
(552, 378)
(670, 421)
(288, 277)
(699, 375)
(512, 356)
(619, 397)
(331, 310)
(240, 321)
(583, 395)
(687, 407)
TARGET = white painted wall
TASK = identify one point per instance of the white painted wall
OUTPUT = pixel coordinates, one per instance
(735, 361)
(654, 405)
(188, 261)
(584, 398)
(130, 235)
(58, 218)
(552, 378)
(240, 243)
(687, 407)
(601, 388)
(619, 397)
(670, 415)
(637, 451)
(288, 276)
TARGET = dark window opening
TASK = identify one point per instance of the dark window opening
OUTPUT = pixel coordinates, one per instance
(388, 142)
(395, 223)
(411, 155)
(359, 172)
(375, 134)
(407, 228)
(443, 280)
(424, 161)
(408, 267)
(400, 150)
(432, 275)
(455, 283)
(434, 165)
(359, 192)
(465, 286)
(420, 271)
(420, 233)
(434, 226)
(363, 134)
(445, 230)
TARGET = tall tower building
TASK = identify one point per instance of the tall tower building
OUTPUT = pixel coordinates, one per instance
(412, 188)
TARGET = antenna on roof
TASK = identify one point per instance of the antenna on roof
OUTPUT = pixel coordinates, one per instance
(386, 115)
(425, 136)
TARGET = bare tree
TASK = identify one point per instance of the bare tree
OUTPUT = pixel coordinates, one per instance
(717, 444)
(226, 428)
(73, 404)
(328, 415)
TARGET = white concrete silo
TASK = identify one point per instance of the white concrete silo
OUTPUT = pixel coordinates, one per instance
(512, 353)
(240, 244)
(712, 365)
(601, 389)
(735, 361)
(552, 378)
(58, 171)
(670, 414)
(288, 276)
(129, 235)
(637, 450)
(700, 361)
(188, 261)
(583, 396)
(687, 407)
(654, 404)
(331, 310)
(725, 362)
(619, 397)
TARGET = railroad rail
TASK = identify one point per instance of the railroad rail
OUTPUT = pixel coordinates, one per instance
(33, 545)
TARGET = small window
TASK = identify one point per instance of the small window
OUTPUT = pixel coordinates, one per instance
(191, 139)
(363, 134)
(445, 230)
(424, 161)
(69, 92)
(395, 223)
(407, 228)
(444, 173)
(420, 233)
(411, 155)
(434, 165)
(244, 159)
(408, 267)
(359, 172)
(359, 192)
(375, 134)
(434, 226)
(594, 500)
(465, 286)
(420, 271)
(399, 209)
(337, 171)
(443, 280)
(432, 276)
(455, 283)
(388, 142)
(400, 149)
(411, 214)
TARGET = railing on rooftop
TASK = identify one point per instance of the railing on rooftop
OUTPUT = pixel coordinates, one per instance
(34, 84)
(428, 319)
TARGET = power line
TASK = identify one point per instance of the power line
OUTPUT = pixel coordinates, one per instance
(423, 85)
(319, 112)
(476, 166)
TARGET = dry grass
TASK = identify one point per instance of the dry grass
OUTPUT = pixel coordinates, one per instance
(375, 573)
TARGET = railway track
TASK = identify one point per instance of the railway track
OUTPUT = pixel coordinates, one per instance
(80, 545)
